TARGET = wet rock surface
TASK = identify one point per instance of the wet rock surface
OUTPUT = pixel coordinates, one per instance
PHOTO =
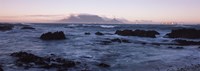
(6, 27)
(99, 33)
(176, 47)
(28, 60)
(184, 33)
(187, 42)
(59, 35)
(103, 65)
(140, 33)
(27, 27)
(118, 40)
(87, 33)
(1, 69)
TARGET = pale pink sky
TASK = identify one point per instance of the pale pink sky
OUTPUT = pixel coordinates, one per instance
(51, 10)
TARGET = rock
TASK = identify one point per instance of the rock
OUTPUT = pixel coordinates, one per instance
(103, 65)
(87, 33)
(184, 33)
(140, 33)
(105, 42)
(26, 58)
(1, 69)
(27, 27)
(179, 48)
(186, 42)
(120, 40)
(53, 36)
(109, 41)
(175, 47)
(29, 60)
(99, 33)
(6, 27)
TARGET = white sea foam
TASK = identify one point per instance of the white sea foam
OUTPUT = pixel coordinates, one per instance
(107, 26)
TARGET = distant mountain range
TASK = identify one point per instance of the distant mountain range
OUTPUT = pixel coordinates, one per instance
(86, 18)
(95, 19)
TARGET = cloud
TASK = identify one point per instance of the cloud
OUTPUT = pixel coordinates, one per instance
(88, 18)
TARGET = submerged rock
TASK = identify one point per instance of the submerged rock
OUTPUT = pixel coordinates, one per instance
(99, 33)
(27, 27)
(87, 33)
(140, 33)
(1, 69)
(103, 65)
(53, 36)
(179, 48)
(176, 47)
(120, 40)
(109, 41)
(6, 27)
(186, 42)
(105, 42)
(29, 60)
(184, 33)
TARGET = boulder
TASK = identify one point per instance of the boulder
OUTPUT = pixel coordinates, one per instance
(105, 42)
(27, 27)
(103, 65)
(184, 33)
(53, 36)
(6, 27)
(140, 33)
(118, 40)
(186, 42)
(87, 33)
(28, 60)
(176, 47)
(99, 33)
(179, 48)
(1, 69)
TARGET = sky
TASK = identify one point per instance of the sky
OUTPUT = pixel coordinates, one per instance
(187, 11)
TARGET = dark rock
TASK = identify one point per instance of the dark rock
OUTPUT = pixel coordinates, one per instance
(184, 33)
(143, 43)
(179, 48)
(109, 41)
(87, 33)
(186, 42)
(53, 36)
(1, 69)
(26, 58)
(27, 27)
(103, 65)
(176, 47)
(105, 42)
(6, 27)
(140, 33)
(120, 40)
(29, 60)
(99, 33)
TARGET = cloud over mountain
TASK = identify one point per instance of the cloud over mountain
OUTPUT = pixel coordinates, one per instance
(87, 18)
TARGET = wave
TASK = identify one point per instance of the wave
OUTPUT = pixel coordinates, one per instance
(183, 26)
(107, 26)
(73, 25)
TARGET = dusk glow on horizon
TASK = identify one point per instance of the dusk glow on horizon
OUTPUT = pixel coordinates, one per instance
(52, 10)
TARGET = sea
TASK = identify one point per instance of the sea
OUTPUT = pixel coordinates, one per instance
(134, 56)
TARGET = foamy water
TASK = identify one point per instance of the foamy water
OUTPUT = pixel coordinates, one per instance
(132, 56)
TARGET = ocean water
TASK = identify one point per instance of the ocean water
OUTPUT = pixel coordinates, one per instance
(133, 56)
